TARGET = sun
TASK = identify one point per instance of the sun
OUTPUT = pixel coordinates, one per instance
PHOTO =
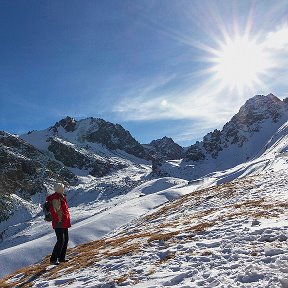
(239, 63)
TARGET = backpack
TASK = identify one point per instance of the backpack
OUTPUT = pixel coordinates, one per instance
(47, 213)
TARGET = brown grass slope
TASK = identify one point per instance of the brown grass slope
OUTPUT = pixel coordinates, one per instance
(177, 221)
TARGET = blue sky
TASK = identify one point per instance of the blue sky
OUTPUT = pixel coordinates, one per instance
(149, 65)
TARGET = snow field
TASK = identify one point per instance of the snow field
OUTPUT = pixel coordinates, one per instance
(90, 221)
(232, 235)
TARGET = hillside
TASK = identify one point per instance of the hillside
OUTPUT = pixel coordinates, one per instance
(231, 235)
(25, 172)
(227, 229)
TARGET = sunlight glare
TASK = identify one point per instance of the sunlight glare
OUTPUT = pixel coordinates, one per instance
(239, 63)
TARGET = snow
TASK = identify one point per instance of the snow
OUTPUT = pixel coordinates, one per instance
(238, 251)
(228, 228)
(259, 144)
(114, 214)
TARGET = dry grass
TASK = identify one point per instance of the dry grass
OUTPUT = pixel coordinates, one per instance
(162, 236)
(123, 251)
(147, 232)
(171, 224)
(124, 239)
(249, 203)
(121, 279)
(201, 227)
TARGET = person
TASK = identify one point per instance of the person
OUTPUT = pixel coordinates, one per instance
(60, 223)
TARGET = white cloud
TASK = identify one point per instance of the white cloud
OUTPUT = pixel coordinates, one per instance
(278, 39)
(205, 104)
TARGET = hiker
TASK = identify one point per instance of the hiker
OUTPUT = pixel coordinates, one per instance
(60, 223)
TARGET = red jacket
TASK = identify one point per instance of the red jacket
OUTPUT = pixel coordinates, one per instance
(59, 211)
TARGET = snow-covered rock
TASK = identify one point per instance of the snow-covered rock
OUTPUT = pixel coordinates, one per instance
(88, 131)
(25, 171)
(164, 149)
(244, 137)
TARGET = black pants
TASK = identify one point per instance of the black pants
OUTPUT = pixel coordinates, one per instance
(60, 247)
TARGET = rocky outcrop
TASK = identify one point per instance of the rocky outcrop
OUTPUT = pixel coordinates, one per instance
(26, 170)
(96, 130)
(113, 136)
(165, 149)
(240, 128)
(68, 124)
(74, 157)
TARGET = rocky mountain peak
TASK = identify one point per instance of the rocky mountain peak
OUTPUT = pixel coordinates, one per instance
(258, 108)
(113, 136)
(163, 141)
(257, 113)
(165, 148)
(68, 123)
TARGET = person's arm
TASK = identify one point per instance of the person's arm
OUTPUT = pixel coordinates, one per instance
(56, 210)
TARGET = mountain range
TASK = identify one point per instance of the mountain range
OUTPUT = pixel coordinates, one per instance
(32, 162)
(108, 172)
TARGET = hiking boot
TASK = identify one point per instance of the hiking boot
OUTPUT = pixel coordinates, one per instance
(63, 260)
(55, 262)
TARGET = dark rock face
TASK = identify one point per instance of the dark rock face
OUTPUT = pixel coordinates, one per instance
(25, 169)
(113, 136)
(165, 149)
(212, 143)
(242, 125)
(71, 157)
(67, 123)
(195, 153)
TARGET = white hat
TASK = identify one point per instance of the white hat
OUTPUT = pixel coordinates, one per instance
(59, 187)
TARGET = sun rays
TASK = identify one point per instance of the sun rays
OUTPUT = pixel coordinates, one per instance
(240, 63)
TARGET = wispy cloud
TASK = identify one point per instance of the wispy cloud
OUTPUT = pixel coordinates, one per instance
(278, 39)
(204, 103)
(207, 101)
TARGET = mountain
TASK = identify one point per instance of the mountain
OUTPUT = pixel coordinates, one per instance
(245, 136)
(208, 234)
(165, 149)
(87, 144)
(227, 227)
(259, 116)
(95, 159)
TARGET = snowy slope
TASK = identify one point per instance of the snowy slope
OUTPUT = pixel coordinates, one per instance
(229, 157)
(67, 151)
(216, 235)
(230, 235)
(100, 206)
(90, 221)
(243, 138)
